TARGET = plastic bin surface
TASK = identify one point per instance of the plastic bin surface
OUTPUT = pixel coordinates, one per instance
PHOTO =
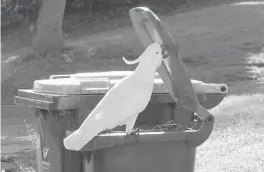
(101, 82)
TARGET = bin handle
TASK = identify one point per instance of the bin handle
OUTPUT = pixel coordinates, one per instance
(59, 76)
(95, 85)
(203, 133)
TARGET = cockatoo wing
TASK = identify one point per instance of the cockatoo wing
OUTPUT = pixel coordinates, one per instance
(116, 108)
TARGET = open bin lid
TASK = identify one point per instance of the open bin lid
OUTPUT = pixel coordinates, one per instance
(101, 82)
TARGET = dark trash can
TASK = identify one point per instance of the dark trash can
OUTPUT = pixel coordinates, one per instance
(63, 102)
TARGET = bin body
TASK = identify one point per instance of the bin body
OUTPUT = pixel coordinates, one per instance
(62, 105)
(51, 155)
(143, 157)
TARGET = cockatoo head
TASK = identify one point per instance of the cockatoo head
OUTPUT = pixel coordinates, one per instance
(151, 55)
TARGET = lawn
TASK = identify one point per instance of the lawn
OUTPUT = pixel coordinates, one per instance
(222, 44)
(237, 141)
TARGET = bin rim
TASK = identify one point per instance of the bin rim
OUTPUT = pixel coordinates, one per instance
(194, 137)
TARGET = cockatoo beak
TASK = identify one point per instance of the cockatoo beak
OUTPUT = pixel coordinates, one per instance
(165, 53)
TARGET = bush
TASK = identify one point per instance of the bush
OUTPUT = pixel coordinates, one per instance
(25, 12)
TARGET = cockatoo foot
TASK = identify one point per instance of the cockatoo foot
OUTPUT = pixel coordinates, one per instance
(105, 132)
(135, 132)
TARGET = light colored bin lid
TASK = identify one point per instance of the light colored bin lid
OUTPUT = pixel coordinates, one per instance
(88, 83)
(109, 74)
(101, 82)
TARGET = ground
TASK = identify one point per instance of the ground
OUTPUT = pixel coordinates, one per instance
(221, 44)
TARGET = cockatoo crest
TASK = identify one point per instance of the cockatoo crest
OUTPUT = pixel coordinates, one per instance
(151, 55)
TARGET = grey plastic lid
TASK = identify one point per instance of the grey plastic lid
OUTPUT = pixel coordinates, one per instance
(109, 74)
(101, 82)
(87, 83)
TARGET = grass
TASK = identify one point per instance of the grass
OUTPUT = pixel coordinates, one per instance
(20, 151)
(237, 142)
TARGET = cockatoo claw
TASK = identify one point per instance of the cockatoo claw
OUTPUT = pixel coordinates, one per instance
(165, 53)
(135, 131)
(105, 132)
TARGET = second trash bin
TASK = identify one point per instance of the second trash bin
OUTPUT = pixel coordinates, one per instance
(63, 102)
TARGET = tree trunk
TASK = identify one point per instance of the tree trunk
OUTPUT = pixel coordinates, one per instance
(48, 40)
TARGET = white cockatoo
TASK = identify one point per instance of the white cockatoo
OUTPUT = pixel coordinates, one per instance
(122, 104)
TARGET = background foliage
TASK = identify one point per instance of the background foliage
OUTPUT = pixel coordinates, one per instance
(16, 13)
